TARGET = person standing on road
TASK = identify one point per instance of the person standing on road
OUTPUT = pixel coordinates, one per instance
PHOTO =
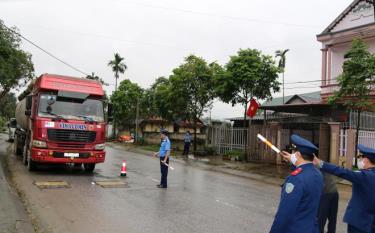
(300, 195)
(329, 203)
(360, 213)
(187, 141)
(164, 153)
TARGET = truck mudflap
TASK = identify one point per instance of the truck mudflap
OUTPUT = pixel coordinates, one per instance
(59, 156)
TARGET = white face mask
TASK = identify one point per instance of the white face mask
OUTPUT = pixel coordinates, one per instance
(293, 159)
(361, 164)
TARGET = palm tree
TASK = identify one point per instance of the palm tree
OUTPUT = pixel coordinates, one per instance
(282, 61)
(118, 66)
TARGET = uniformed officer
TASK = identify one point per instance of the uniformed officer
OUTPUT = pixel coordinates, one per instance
(360, 213)
(301, 191)
(164, 153)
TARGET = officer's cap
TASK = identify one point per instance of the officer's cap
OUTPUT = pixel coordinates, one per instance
(366, 151)
(164, 131)
(303, 145)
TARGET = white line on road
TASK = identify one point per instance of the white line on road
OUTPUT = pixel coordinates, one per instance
(155, 180)
(227, 204)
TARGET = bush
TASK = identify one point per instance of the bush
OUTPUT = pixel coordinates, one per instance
(236, 154)
(2, 123)
(209, 150)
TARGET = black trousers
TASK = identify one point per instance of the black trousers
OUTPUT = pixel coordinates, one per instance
(328, 207)
(186, 148)
(164, 172)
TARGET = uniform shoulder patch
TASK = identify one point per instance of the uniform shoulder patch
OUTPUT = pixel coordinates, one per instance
(289, 188)
(297, 171)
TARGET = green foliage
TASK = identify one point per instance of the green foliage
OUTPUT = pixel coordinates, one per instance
(8, 106)
(236, 154)
(16, 67)
(124, 100)
(192, 86)
(356, 80)
(2, 123)
(248, 74)
(118, 66)
(92, 76)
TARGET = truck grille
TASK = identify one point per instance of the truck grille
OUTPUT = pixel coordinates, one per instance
(62, 135)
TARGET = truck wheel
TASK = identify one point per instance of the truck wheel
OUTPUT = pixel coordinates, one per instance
(16, 150)
(31, 165)
(25, 154)
(89, 167)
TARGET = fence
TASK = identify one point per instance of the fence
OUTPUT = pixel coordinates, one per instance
(225, 139)
(365, 137)
(367, 121)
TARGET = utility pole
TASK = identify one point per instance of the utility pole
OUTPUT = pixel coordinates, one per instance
(136, 120)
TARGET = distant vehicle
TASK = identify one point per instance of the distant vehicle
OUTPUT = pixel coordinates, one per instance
(61, 120)
(12, 125)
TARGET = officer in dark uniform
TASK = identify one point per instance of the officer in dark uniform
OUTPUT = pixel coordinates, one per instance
(164, 153)
(301, 191)
(360, 213)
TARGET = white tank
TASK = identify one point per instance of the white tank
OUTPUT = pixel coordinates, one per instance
(20, 114)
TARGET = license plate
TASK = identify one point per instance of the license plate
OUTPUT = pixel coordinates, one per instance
(71, 155)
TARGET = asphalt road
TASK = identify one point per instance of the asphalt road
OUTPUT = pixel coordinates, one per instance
(197, 200)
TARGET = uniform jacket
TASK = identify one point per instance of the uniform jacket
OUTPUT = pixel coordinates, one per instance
(299, 203)
(360, 212)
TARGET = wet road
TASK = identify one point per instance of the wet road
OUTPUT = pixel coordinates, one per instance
(196, 200)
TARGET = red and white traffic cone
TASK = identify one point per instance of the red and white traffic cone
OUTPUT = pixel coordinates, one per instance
(123, 168)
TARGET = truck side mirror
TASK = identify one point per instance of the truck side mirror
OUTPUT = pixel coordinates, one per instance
(29, 103)
(110, 112)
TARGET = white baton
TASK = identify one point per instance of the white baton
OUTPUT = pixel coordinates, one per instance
(268, 143)
(166, 164)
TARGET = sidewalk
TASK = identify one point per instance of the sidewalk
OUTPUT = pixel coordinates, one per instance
(266, 173)
(13, 217)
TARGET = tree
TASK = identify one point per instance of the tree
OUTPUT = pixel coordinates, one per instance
(16, 67)
(118, 66)
(8, 105)
(355, 82)
(192, 89)
(124, 100)
(92, 76)
(249, 74)
(282, 61)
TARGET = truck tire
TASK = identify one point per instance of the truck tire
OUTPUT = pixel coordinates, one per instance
(31, 165)
(25, 153)
(16, 148)
(89, 167)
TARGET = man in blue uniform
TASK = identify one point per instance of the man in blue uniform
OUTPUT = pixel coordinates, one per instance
(360, 213)
(301, 191)
(187, 141)
(164, 153)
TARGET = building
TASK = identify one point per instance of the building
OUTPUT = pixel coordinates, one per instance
(357, 21)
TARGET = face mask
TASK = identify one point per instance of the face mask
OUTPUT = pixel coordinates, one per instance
(361, 164)
(293, 159)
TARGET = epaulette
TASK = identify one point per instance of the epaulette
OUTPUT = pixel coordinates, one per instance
(297, 171)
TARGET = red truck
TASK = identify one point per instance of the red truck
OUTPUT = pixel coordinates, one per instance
(61, 120)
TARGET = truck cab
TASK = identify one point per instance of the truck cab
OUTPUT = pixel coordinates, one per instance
(61, 121)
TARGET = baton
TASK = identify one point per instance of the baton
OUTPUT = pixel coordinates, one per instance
(166, 164)
(268, 143)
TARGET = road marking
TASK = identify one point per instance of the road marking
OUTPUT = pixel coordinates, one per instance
(227, 204)
(155, 180)
(51, 184)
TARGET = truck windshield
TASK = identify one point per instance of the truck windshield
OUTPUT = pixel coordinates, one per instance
(67, 108)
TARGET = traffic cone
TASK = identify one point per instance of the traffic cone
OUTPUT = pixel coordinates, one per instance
(123, 168)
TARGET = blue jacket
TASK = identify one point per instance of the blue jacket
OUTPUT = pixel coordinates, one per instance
(299, 203)
(361, 208)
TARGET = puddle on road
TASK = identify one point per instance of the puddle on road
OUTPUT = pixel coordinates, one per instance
(51, 184)
(112, 184)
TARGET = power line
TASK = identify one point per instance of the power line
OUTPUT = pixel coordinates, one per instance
(45, 51)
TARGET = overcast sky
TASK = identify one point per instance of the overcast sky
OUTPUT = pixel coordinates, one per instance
(155, 35)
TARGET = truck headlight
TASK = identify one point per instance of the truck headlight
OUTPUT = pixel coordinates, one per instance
(100, 146)
(39, 144)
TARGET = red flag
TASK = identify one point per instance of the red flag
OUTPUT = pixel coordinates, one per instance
(253, 108)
